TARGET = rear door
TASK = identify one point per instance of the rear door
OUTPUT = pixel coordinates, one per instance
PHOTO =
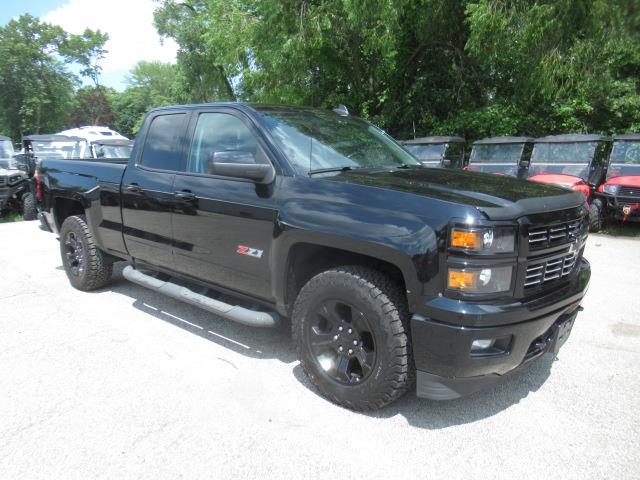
(223, 227)
(147, 189)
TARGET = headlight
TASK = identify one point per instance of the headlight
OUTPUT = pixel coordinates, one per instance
(485, 240)
(13, 180)
(480, 280)
(611, 189)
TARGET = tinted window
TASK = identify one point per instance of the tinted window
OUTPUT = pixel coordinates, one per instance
(221, 132)
(162, 145)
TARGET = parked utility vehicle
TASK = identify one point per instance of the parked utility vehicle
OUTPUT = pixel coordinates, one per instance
(501, 155)
(445, 152)
(55, 146)
(111, 148)
(577, 162)
(14, 186)
(390, 272)
(619, 196)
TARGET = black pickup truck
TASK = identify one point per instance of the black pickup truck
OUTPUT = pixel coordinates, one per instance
(390, 273)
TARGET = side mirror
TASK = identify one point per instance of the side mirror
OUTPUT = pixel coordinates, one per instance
(239, 164)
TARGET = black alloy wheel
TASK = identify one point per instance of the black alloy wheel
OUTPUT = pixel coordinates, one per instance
(74, 254)
(342, 342)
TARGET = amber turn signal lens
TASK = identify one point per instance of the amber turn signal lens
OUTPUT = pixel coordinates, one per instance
(460, 280)
(465, 239)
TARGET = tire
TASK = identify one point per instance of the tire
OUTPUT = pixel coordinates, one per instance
(29, 210)
(332, 304)
(86, 266)
(596, 216)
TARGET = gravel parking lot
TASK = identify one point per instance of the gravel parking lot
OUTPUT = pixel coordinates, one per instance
(125, 383)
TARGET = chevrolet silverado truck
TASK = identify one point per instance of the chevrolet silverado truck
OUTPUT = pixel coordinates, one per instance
(389, 273)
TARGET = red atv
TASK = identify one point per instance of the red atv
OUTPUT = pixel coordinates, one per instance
(577, 161)
(619, 196)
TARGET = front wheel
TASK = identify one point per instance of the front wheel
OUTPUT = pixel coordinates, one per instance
(29, 210)
(596, 216)
(350, 327)
(86, 266)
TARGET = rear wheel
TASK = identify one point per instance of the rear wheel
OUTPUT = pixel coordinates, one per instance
(350, 326)
(596, 216)
(86, 266)
(29, 210)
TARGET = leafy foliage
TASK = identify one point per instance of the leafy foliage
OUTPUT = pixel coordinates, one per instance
(473, 68)
(37, 89)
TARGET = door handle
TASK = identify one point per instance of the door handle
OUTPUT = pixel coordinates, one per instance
(185, 195)
(134, 188)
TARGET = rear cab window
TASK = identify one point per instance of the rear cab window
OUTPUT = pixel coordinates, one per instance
(163, 145)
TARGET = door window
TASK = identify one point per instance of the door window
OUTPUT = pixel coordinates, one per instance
(163, 144)
(216, 133)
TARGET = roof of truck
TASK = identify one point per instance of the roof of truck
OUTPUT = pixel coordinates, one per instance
(627, 136)
(432, 140)
(502, 140)
(573, 138)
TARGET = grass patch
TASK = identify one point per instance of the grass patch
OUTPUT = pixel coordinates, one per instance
(619, 229)
(11, 217)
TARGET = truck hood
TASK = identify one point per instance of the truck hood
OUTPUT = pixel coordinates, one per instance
(498, 197)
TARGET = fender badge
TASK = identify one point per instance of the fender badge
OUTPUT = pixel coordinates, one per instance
(251, 252)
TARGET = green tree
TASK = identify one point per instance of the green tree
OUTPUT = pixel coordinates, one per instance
(476, 68)
(92, 106)
(149, 85)
(37, 89)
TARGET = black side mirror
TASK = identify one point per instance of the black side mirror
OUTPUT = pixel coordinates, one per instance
(239, 164)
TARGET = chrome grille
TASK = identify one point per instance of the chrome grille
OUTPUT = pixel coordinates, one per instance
(547, 271)
(3, 181)
(540, 237)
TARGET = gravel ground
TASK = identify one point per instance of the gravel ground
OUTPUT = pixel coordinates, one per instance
(124, 383)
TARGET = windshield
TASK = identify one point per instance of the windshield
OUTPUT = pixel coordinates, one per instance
(59, 149)
(562, 158)
(432, 153)
(625, 159)
(316, 140)
(113, 151)
(8, 164)
(6, 149)
(496, 153)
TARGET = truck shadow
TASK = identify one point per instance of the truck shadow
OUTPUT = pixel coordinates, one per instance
(276, 343)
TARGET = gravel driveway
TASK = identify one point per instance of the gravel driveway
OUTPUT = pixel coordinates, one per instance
(124, 383)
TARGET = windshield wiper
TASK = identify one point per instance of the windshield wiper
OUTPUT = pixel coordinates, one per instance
(346, 168)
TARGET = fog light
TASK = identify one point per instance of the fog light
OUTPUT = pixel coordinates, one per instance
(482, 345)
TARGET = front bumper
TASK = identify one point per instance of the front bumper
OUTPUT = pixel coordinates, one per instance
(623, 208)
(446, 367)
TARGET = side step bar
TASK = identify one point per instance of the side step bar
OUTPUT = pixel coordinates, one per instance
(230, 312)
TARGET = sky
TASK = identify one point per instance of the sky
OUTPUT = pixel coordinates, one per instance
(129, 23)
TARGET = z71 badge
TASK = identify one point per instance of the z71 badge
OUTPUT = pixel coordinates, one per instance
(252, 252)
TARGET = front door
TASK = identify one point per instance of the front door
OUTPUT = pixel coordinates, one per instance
(223, 227)
(147, 191)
